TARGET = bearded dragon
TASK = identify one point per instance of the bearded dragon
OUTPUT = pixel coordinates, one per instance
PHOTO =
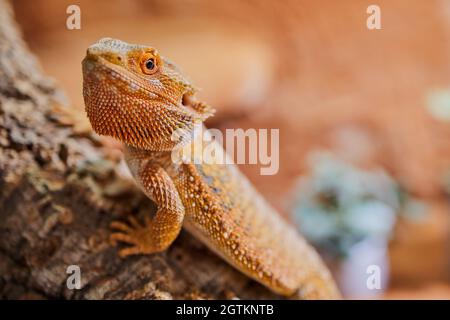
(135, 95)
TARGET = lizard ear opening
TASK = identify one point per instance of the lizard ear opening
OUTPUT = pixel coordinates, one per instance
(201, 109)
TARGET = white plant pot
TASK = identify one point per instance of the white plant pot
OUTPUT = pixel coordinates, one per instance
(364, 273)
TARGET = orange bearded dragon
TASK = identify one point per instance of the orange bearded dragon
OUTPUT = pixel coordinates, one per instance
(140, 98)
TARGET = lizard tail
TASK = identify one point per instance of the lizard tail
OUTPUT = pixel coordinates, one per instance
(318, 287)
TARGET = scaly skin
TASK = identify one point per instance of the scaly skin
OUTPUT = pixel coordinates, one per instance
(142, 103)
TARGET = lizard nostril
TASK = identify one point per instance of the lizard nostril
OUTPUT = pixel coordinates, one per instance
(92, 52)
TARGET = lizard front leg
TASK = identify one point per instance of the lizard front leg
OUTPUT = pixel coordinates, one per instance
(157, 233)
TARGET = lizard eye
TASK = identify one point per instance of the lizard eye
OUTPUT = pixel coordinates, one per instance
(148, 64)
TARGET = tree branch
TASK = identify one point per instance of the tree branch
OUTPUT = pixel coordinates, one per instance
(59, 193)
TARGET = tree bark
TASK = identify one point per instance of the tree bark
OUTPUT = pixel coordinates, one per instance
(59, 191)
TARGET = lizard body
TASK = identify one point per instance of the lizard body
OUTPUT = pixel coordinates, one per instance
(140, 98)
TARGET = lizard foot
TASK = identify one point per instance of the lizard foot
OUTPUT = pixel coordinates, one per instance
(136, 234)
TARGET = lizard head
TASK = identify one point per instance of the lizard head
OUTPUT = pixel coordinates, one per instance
(138, 97)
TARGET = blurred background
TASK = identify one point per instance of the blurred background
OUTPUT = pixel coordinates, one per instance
(364, 115)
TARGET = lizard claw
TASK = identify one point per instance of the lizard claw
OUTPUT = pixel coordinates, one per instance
(134, 233)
